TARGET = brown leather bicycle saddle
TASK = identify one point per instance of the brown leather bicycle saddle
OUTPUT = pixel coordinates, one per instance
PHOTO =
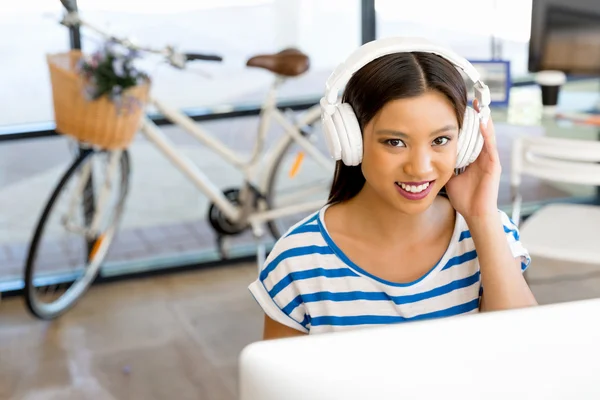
(288, 62)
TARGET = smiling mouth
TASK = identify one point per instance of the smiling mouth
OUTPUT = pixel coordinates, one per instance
(414, 190)
(413, 187)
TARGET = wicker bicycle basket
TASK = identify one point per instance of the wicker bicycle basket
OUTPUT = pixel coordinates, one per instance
(98, 122)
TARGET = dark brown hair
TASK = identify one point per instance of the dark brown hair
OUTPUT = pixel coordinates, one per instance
(388, 78)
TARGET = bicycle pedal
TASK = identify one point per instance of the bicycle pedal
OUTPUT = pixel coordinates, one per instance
(223, 247)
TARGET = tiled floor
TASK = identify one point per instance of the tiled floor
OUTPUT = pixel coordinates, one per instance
(171, 337)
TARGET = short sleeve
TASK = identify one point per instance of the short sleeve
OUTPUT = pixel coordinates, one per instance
(276, 292)
(512, 236)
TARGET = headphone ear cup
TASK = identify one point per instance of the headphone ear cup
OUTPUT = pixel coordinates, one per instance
(353, 133)
(476, 143)
(331, 136)
(477, 147)
(468, 147)
(342, 135)
(463, 140)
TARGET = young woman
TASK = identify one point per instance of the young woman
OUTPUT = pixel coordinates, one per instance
(402, 237)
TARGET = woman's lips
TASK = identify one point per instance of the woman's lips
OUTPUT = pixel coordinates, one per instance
(414, 190)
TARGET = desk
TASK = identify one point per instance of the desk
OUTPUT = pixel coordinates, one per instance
(524, 117)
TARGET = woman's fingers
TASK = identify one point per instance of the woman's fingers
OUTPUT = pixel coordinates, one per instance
(489, 136)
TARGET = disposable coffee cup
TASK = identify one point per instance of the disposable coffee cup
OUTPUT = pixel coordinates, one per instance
(550, 83)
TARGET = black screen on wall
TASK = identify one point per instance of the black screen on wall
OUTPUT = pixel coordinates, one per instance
(565, 36)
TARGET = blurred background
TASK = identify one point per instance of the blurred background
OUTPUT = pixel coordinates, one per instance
(327, 31)
(141, 323)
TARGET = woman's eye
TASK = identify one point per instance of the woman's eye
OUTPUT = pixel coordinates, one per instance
(441, 141)
(395, 143)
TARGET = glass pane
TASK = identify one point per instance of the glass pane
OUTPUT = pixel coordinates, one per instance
(234, 29)
(28, 30)
(513, 27)
(468, 32)
(165, 219)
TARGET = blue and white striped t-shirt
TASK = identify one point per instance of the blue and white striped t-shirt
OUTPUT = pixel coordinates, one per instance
(309, 284)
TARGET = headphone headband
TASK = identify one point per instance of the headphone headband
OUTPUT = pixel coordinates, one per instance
(381, 47)
(340, 124)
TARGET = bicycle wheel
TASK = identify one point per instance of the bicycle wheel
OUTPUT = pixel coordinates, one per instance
(65, 256)
(297, 178)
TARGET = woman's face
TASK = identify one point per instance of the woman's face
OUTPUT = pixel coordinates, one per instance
(410, 150)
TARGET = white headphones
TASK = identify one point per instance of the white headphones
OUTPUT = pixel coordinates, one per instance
(342, 131)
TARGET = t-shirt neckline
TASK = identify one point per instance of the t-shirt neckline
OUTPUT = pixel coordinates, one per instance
(427, 276)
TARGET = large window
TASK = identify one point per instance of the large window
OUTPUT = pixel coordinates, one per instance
(236, 29)
(165, 222)
(28, 30)
(476, 29)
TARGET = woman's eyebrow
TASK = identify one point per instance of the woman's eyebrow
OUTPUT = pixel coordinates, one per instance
(449, 127)
(392, 132)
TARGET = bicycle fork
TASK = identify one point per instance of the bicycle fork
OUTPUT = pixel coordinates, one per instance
(90, 230)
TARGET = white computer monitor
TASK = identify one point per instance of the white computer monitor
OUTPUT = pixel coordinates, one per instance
(541, 353)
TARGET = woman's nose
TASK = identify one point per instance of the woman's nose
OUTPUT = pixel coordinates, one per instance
(419, 164)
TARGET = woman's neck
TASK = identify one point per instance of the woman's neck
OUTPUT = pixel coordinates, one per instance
(380, 222)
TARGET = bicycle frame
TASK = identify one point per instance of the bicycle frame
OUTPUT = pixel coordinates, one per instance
(75, 201)
(249, 207)
(249, 168)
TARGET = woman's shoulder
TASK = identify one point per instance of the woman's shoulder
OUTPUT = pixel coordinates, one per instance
(462, 233)
(465, 242)
(303, 238)
(306, 230)
(510, 227)
(301, 254)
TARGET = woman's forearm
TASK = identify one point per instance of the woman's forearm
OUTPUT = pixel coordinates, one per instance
(504, 285)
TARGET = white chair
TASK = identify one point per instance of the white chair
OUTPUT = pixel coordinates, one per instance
(568, 232)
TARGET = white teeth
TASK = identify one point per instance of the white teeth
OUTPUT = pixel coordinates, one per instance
(414, 189)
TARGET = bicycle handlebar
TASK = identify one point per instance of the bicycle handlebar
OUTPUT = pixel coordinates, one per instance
(68, 4)
(203, 57)
(175, 58)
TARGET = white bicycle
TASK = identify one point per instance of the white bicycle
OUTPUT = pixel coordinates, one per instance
(280, 185)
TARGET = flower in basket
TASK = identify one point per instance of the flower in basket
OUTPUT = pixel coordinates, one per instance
(110, 71)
